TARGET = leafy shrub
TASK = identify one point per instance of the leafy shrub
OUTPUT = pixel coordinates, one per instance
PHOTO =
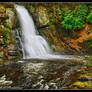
(89, 58)
(60, 13)
(67, 23)
(8, 24)
(89, 18)
(77, 23)
(75, 20)
(82, 11)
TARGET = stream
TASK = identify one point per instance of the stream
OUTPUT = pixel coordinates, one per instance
(40, 74)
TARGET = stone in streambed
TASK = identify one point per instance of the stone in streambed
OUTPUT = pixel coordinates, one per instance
(3, 81)
(89, 86)
(85, 77)
(82, 71)
(80, 85)
(12, 53)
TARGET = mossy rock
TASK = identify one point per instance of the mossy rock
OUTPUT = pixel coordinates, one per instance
(2, 28)
(89, 64)
(89, 86)
(1, 41)
(8, 24)
(2, 9)
(1, 54)
(85, 77)
(88, 57)
(89, 74)
(80, 85)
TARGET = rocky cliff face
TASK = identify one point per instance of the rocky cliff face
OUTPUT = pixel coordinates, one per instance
(8, 47)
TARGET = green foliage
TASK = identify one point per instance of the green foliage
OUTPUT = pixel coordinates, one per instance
(13, 41)
(74, 20)
(82, 11)
(51, 16)
(67, 12)
(8, 24)
(67, 22)
(41, 32)
(7, 42)
(89, 64)
(60, 14)
(7, 32)
(89, 58)
(77, 23)
(89, 18)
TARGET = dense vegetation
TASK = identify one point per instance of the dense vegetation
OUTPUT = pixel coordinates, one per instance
(75, 19)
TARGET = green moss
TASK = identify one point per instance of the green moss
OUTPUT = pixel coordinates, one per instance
(16, 59)
(1, 54)
(89, 64)
(89, 86)
(85, 77)
(80, 84)
(2, 9)
(88, 58)
(8, 24)
(13, 41)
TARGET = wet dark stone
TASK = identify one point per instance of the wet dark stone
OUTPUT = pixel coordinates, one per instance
(12, 53)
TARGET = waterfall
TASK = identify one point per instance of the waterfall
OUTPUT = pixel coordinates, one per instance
(34, 45)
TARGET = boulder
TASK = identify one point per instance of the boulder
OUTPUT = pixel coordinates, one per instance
(80, 85)
(43, 16)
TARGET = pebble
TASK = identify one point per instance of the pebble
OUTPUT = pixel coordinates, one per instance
(40, 77)
(46, 87)
(58, 79)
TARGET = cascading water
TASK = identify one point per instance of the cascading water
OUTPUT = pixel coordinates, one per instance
(34, 46)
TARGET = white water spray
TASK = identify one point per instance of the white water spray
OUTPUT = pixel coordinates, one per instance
(34, 46)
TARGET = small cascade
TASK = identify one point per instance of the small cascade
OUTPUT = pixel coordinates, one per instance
(20, 42)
